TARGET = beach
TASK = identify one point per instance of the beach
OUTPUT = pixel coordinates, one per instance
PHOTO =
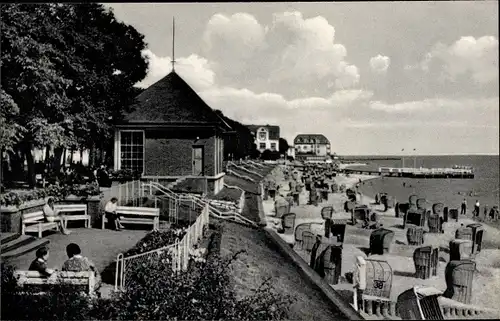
(486, 280)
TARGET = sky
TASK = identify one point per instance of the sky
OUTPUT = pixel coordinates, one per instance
(375, 78)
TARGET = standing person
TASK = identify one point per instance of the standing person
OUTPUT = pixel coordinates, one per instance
(485, 211)
(463, 208)
(476, 208)
(110, 212)
(40, 263)
(52, 216)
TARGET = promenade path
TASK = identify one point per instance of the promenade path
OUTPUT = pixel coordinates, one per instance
(486, 280)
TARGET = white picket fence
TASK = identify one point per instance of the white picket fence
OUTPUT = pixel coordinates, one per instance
(179, 252)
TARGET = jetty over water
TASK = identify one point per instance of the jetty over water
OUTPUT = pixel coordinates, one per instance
(465, 173)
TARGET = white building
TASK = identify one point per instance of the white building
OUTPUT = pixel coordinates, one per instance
(311, 144)
(266, 137)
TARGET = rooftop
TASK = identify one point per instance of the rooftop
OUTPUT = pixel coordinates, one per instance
(172, 100)
(311, 139)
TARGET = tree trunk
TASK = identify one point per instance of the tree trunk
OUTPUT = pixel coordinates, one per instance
(31, 177)
(71, 156)
(57, 158)
(92, 155)
(81, 155)
(64, 158)
(101, 157)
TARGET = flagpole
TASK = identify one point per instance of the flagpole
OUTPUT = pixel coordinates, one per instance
(403, 157)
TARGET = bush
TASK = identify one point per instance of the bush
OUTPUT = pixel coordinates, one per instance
(157, 239)
(202, 293)
(154, 292)
(124, 175)
(58, 192)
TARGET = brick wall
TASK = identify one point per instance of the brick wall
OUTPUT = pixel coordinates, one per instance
(171, 154)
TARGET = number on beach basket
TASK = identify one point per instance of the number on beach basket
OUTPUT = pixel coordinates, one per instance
(378, 278)
(459, 277)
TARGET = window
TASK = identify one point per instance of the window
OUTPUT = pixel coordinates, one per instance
(132, 150)
(262, 146)
(273, 146)
(262, 135)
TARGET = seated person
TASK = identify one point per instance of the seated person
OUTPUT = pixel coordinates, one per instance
(40, 263)
(110, 212)
(79, 263)
(52, 216)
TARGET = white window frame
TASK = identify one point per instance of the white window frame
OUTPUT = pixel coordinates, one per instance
(143, 147)
(260, 145)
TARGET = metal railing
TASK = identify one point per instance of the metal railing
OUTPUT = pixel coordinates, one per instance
(178, 253)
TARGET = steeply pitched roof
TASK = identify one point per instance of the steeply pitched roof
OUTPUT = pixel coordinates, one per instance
(171, 100)
(274, 131)
(310, 139)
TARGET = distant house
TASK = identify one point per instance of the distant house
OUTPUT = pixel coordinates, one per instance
(312, 144)
(170, 133)
(266, 137)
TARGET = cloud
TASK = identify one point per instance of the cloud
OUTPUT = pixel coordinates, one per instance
(467, 56)
(193, 69)
(290, 52)
(380, 64)
(436, 105)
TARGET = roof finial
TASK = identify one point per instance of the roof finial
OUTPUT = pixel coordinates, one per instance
(173, 43)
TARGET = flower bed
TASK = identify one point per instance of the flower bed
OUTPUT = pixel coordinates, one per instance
(17, 198)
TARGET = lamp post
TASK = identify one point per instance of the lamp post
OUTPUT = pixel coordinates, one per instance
(415, 158)
(403, 157)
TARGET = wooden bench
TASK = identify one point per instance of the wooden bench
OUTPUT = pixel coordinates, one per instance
(86, 279)
(35, 223)
(130, 215)
(72, 208)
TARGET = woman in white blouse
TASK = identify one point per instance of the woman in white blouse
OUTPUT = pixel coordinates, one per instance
(52, 216)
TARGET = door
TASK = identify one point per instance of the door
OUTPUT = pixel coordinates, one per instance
(198, 161)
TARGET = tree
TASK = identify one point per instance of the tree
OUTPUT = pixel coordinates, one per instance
(70, 69)
(240, 143)
(283, 146)
(270, 155)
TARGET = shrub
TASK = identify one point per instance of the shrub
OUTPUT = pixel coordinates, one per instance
(124, 175)
(157, 239)
(202, 293)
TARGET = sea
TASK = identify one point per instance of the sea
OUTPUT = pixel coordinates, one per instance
(484, 187)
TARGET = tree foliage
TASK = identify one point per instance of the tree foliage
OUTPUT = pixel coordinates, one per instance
(239, 144)
(69, 68)
(283, 146)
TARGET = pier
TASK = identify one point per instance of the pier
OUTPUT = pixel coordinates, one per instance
(416, 172)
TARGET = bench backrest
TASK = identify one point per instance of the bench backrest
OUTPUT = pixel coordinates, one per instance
(33, 217)
(138, 210)
(86, 278)
(75, 207)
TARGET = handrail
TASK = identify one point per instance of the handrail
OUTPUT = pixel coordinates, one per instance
(230, 171)
(246, 170)
(201, 201)
(234, 187)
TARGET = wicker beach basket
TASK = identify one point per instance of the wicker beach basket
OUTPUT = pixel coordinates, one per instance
(298, 234)
(438, 208)
(459, 277)
(329, 263)
(308, 240)
(434, 223)
(381, 241)
(288, 223)
(379, 276)
(327, 212)
(477, 236)
(415, 235)
(422, 203)
(426, 261)
(463, 233)
(461, 250)
(412, 200)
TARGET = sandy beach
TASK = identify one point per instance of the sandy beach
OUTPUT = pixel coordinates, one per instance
(486, 279)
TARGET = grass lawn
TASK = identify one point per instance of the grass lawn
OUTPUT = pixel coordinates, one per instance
(262, 260)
